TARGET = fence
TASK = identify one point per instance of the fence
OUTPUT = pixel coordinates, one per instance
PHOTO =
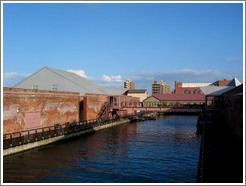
(33, 135)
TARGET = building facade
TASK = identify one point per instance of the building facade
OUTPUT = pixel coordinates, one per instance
(129, 85)
(25, 109)
(171, 100)
(189, 88)
(93, 105)
(196, 88)
(160, 88)
(142, 94)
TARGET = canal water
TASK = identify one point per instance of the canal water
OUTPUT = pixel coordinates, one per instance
(165, 150)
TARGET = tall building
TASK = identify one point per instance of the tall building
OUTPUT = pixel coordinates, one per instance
(160, 88)
(130, 85)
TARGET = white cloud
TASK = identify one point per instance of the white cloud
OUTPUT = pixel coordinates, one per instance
(12, 78)
(79, 72)
(117, 78)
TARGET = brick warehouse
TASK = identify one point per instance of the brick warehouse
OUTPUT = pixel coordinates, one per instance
(93, 104)
(25, 109)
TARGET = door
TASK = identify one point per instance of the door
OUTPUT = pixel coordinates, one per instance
(32, 120)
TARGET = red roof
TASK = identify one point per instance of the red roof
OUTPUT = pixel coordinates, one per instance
(180, 97)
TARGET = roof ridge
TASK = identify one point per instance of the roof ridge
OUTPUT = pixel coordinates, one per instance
(29, 76)
(51, 69)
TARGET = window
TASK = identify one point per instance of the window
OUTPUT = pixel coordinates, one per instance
(54, 88)
(35, 87)
(194, 91)
(184, 91)
(198, 92)
(189, 91)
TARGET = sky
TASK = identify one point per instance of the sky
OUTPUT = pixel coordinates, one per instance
(108, 43)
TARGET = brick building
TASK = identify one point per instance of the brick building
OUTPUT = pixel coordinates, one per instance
(195, 88)
(160, 88)
(25, 109)
(189, 88)
(94, 104)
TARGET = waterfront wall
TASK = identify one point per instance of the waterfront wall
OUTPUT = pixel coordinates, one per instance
(29, 146)
(233, 111)
(92, 105)
(25, 109)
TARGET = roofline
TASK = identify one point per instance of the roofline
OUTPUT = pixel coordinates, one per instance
(29, 76)
(150, 97)
(50, 69)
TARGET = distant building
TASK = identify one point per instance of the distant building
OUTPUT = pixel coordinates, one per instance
(221, 83)
(189, 88)
(196, 88)
(163, 100)
(139, 93)
(128, 84)
(160, 88)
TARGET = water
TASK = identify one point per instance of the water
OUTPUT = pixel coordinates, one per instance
(161, 151)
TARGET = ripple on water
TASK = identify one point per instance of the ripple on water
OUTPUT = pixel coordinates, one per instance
(161, 151)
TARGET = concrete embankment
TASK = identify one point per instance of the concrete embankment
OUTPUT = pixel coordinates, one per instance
(28, 146)
(221, 152)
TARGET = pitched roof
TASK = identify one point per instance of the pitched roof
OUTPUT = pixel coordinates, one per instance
(115, 91)
(179, 97)
(85, 86)
(215, 90)
(234, 82)
(137, 91)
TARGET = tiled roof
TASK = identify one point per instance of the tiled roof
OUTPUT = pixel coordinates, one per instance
(179, 97)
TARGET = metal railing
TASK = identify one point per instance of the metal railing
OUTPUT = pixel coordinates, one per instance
(29, 136)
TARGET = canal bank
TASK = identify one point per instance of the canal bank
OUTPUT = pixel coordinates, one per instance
(43, 142)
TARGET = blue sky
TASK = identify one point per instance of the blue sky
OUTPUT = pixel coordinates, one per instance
(108, 43)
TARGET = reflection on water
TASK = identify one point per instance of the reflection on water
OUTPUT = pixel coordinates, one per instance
(161, 151)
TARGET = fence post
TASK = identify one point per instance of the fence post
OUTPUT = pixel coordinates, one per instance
(20, 138)
(28, 136)
(11, 140)
(43, 133)
(36, 135)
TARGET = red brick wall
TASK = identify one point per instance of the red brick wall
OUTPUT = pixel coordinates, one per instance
(224, 82)
(180, 90)
(52, 108)
(93, 103)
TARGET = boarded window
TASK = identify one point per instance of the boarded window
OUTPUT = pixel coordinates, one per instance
(32, 120)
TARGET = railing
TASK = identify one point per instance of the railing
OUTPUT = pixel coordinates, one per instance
(38, 134)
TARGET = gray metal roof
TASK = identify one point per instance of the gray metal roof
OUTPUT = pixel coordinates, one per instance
(215, 90)
(71, 82)
(234, 82)
(115, 91)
